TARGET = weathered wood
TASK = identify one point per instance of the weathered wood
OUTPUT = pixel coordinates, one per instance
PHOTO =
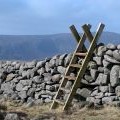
(77, 36)
(81, 69)
(84, 65)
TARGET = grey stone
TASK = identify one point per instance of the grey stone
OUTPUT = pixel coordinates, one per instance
(62, 57)
(101, 50)
(109, 52)
(41, 71)
(94, 73)
(102, 79)
(92, 65)
(37, 79)
(22, 94)
(105, 63)
(47, 67)
(84, 92)
(107, 100)
(11, 76)
(111, 46)
(117, 91)
(31, 64)
(61, 69)
(12, 116)
(67, 59)
(90, 99)
(111, 89)
(88, 77)
(38, 102)
(26, 82)
(69, 84)
(19, 87)
(50, 88)
(116, 54)
(56, 78)
(40, 64)
(99, 95)
(118, 46)
(94, 93)
(101, 69)
(111, 59)
(48, 100)
(7, 87)
(52, 63)
(37, 95)
(104, 89)
(114, 76)
(26, 88)
(109, 94)
(98, 60)
(106, 71)
(97, 101)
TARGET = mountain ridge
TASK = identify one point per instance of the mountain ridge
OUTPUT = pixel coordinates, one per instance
(28, 47)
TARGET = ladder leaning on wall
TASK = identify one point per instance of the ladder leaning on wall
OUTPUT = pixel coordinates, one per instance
(83, 53)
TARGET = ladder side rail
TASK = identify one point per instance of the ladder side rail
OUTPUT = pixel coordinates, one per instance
(84, 65)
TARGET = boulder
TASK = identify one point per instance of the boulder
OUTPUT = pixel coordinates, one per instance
(117, 91)
(102, 79)
(111, 46)
(104, 89)
(12, 116)
(111, 59)
(98, 60)
(114, 76)
(109, 52)
(116, 54)
(56, 78)
(94, 73)
(22, 94)
(84, 92)
(101, 50)
(61, 69)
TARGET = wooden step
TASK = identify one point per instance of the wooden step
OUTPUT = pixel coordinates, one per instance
(70, 77)
(80, 54)
(65, 89)
(59, 101)
(75, 65)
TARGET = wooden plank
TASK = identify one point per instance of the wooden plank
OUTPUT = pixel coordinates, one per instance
(77, 36)
(75, 65)
(81, 54)
(75, 33)
(84, 66)
(70, 77)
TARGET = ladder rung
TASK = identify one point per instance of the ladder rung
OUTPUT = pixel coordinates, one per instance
(81, 54)
(59, 101)
(64, 89)
(75, 65)
(70, 77)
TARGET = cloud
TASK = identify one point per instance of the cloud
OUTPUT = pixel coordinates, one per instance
(54, 16)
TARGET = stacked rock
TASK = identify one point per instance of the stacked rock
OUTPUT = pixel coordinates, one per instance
(105, 76)
(38, 81)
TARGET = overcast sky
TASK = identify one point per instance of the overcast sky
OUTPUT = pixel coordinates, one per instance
(55, 16)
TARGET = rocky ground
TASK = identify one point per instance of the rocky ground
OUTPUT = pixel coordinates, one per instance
(36, 82)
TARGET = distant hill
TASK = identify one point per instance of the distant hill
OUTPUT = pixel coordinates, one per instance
(28, 47)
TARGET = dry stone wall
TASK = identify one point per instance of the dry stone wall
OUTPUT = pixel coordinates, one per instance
(38, 81)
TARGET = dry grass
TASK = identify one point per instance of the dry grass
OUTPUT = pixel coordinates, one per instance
(107, 113)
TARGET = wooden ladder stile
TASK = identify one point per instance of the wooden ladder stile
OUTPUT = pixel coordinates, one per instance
(86, 55)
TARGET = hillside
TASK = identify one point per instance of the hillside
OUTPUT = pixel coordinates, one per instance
(28, 47)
